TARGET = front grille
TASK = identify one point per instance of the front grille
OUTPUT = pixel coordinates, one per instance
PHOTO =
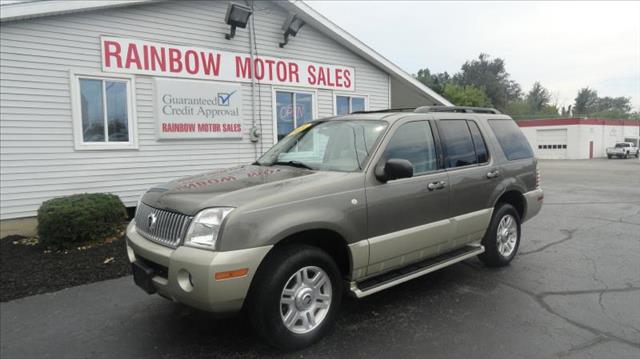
(169, 227)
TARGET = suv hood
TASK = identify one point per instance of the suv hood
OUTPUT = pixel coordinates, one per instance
(228, 187)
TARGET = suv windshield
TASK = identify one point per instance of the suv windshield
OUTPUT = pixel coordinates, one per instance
(622, 145)
(326, 146)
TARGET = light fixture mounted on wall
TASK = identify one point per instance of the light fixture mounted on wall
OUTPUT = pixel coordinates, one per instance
(291, 28)
(237, 16)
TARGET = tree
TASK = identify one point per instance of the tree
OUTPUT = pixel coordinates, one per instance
(466, 95)
(491, 76)
(436, 82)
(585, 101)
(538, 98)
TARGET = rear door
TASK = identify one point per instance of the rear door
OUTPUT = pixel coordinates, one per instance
(406, 219)
(473, 177)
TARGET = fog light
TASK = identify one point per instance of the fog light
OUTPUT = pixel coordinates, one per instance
(185, 281)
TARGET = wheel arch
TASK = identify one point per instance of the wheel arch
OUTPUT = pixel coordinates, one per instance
(514, 197)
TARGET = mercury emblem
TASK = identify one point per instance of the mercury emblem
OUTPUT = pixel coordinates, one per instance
(151, 221)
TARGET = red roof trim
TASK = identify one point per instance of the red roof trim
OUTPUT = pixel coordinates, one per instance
(576, 121)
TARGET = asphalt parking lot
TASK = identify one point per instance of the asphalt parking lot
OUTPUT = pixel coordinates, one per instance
(572, 292)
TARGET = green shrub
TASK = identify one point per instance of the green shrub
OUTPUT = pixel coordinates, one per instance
(67, 222)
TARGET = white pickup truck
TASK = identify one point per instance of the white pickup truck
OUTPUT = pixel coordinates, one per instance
(623, 150)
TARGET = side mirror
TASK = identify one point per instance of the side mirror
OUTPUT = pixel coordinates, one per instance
(394, 168)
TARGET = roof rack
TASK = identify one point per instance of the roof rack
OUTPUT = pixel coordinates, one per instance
(404, 109)
(423, 109)
(462, 109)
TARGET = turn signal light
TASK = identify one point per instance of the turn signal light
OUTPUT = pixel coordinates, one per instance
(232, 274)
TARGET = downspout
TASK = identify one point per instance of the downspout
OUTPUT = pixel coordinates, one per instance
(253, 134)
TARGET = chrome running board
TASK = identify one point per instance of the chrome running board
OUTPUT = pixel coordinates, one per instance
(387, 280)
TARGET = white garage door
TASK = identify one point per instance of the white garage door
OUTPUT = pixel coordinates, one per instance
(552, 143)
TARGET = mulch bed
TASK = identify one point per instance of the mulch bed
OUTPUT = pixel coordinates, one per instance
(31, 269)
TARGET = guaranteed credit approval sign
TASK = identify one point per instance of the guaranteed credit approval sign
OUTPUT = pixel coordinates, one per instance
(198, 109)
(157, 59)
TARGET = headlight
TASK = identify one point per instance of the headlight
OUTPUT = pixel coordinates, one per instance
(205, 227)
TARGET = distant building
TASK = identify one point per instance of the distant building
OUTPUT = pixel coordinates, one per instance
(577, 138)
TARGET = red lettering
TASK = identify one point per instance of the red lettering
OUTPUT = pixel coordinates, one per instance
(112, 48)
(258, 71)
(347, 78)
(270, 71)
(133, 57)
(338, 77)
(145, 56)
(191, 63)
(281, 71)
(312, 75)
(210, 64)
(174, 60)
(243, 67)
(332, 84)
(158, 59)
(293, 71)
(321, 77)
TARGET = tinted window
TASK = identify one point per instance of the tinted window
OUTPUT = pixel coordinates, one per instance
(457, 143)
(514, 145)
(478, 142)
(413, 142)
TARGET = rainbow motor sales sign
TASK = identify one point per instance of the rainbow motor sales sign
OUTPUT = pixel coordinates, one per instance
(156, 59)
(197, 109)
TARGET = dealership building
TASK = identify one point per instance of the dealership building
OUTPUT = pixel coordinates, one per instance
(577, 138)
(116, 96)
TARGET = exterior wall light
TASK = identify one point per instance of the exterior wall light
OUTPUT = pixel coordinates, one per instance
(237, 16)
(291, 28)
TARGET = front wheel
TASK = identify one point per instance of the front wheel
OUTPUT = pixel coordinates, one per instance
(502, 239)
(295, 296)
(609, 156)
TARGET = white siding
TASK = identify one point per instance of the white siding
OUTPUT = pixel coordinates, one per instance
(38, 160)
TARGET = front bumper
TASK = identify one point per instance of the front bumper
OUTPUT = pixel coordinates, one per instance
(533, 201)
(189, 275)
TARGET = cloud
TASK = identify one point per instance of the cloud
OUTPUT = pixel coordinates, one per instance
(565, 45)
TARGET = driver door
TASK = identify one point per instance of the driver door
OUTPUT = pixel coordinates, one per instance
(408, 217)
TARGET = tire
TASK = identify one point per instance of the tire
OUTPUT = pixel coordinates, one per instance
(609, 156)
(279, 272)
(626, 155)
(495, 252)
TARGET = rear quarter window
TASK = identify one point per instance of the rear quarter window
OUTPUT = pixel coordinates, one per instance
(514, 145)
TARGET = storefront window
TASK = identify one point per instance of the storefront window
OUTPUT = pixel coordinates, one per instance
(349, 104)
(103, 113)
(292, 110)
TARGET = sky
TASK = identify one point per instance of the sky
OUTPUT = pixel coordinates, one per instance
(564, 45)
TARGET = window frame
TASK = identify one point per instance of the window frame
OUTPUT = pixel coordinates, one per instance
(484, 140)
(350, 96)
(441, 143)
(294, 90)
(76, 111)
(394, 129)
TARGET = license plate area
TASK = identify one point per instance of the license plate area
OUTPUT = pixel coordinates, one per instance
(142, 276)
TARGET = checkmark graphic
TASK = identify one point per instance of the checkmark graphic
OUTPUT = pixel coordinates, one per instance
(223, 98)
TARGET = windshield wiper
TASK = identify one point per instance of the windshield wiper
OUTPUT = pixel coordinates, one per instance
(292, 164)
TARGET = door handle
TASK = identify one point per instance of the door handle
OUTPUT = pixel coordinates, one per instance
(436, 185)
(493, 174)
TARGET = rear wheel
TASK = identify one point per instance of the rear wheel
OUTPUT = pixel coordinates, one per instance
(609, 156)
(502, 239)
(295, 296)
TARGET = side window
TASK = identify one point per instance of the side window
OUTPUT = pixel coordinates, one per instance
(413, 142)
(457, 143)
(514, 145)
(478, 142)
